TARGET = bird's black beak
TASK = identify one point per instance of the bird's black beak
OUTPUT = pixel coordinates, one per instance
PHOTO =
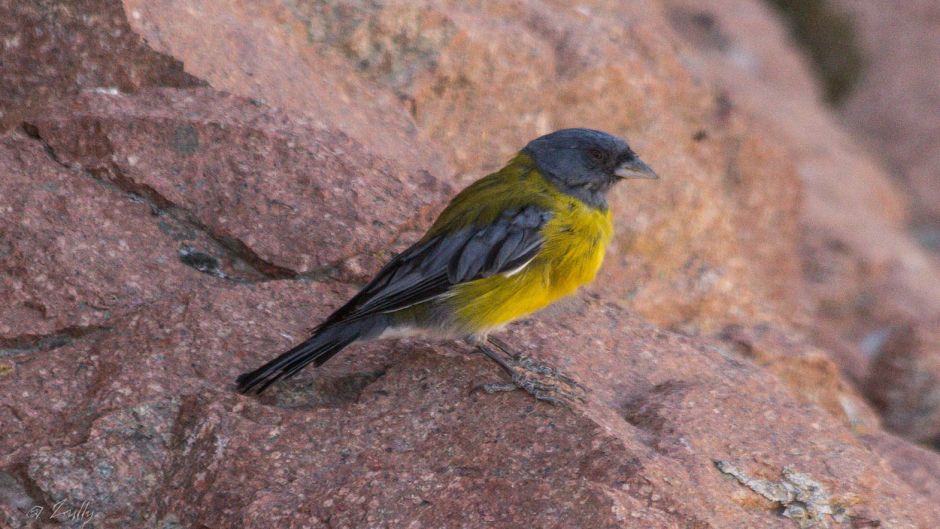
(635, 168)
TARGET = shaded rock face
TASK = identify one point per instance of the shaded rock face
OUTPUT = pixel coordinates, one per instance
(121, 201)
(904, 382)
(156, 244)
(864, 274)
(53, 49)
(893, 109)
(895, 104)
(173, 149)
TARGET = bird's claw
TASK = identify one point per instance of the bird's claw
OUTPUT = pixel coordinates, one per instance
(541, 381)
(497, 387)
(532, 365)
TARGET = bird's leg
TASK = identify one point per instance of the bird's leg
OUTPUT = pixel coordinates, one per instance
(528, 363)
(494, 356)
(503, 346)
(538, 379)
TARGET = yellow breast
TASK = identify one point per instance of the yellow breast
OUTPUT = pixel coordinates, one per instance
(576, 239)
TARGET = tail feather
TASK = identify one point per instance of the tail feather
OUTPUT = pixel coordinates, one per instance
(317, 349)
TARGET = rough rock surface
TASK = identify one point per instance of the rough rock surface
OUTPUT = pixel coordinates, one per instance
(290, 176)
(120, 192)
(154, 245)
(259, 50)
(74, 251)
(54, 48)
(396, 435)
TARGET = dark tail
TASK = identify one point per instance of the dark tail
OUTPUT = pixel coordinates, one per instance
(319, 348)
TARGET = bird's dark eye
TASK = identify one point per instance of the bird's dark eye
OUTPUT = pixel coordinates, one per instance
(596, 154)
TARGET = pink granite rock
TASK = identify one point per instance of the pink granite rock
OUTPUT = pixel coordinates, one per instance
(172, 239)
(76, 251)
(918, 467)
(399, 434)
(54, 49)
(291, 198)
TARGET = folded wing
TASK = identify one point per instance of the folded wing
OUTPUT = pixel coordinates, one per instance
(435, 264)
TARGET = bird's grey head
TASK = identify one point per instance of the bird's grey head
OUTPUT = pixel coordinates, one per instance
(586, 163)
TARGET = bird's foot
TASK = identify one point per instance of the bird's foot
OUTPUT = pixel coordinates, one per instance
(543, 382)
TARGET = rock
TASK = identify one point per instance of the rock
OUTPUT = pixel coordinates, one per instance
(904, 382)
(15, 502)
(919, 468)
(809, 372)
(53, 49)
(119, 214)
(864, 274)
(75, 251)
(393, 433)
(276, 191)
(894, 104)
(261, 51)
(175, 238)
(893, 108)
(115, 471)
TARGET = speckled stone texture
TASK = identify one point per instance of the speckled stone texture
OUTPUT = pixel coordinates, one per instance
(288, 176)
(392, 435)
(57, 48)
(155, 244)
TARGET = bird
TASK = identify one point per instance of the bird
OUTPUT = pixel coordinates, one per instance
(506, 246)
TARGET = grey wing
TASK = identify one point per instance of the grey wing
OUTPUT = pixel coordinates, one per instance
(431, 267)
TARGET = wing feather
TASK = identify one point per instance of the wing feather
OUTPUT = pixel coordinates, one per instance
(432, 266)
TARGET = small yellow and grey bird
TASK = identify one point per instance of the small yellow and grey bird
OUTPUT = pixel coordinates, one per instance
(508, 245)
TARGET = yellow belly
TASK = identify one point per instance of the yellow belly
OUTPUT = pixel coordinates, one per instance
(576, 239)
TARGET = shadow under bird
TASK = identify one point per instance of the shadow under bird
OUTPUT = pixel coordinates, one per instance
(511, 243)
